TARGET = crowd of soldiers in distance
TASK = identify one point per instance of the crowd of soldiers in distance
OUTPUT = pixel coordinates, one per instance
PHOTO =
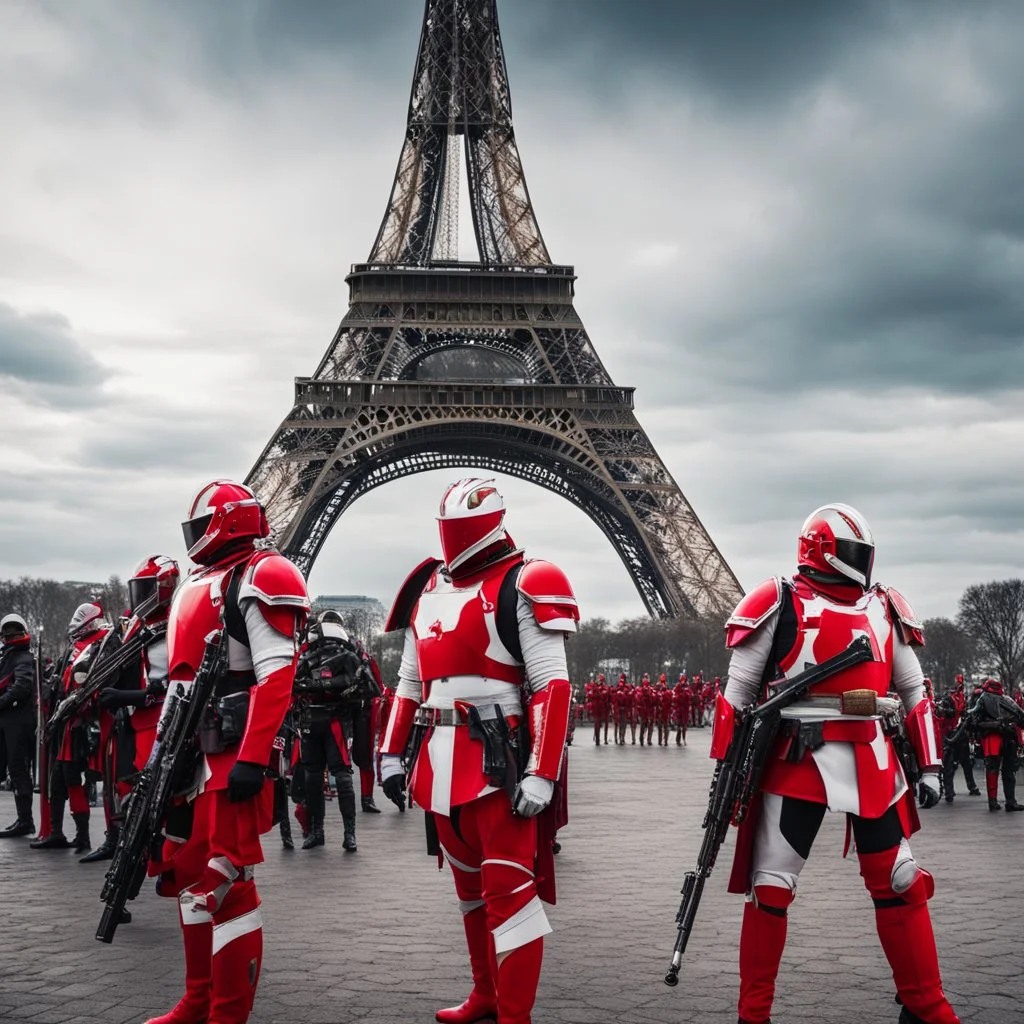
(643, 707)
(972, 727)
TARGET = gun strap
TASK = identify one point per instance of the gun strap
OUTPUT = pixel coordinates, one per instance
(507, 614)
(234, 621)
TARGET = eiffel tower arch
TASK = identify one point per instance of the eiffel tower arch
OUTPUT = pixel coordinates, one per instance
(441, 365)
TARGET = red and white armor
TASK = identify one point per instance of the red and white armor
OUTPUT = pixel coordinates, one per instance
(208, 865)
(834, 751)
(856, 769)
(460, 625)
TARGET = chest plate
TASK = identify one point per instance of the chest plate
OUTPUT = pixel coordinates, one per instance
(196, 611)
(456, 631)
(826, 627)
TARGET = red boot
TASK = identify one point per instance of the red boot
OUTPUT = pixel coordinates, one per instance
(518, 975)
(905, 931)
(237, 955)
(762, 940)
(197, 934)
(482, 1003)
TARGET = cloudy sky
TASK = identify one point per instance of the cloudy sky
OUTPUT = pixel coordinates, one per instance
(798, 228)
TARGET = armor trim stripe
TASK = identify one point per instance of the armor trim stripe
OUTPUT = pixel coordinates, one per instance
(228, 931)
(458, 863)
(528, 924)
(508, 864)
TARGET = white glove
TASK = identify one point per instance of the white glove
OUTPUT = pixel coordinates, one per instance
(390, 765)
(928, 790)
(532, 795)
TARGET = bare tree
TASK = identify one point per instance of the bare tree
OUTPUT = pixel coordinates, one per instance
(993, 614)
(948, 651)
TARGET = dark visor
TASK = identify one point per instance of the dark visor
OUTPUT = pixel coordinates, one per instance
(140, 591)
(857, 556)
(194, 529)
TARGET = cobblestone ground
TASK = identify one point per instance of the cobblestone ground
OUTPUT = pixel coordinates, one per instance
(376, 936)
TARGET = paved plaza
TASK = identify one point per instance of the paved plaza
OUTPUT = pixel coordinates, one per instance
(376, 936)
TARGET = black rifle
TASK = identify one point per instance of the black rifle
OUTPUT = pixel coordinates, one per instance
(738, 775)
(105, 666)
(171, 765)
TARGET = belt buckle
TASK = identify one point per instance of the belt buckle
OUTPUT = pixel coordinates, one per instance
(460, 712)
(859, 702)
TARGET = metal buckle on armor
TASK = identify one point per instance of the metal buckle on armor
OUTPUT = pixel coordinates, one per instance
(429, 718)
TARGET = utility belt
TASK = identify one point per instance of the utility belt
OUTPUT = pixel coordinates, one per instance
(308, 716)
(225, 716)
(506, 748)
(861, 713)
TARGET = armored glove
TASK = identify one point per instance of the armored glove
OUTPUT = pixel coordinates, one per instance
(245, 781)
(392, 776)
(532, 795)
(928, 790)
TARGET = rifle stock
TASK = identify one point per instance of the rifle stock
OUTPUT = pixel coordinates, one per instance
(738, 776)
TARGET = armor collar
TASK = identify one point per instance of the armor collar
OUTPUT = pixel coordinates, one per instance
(844, 593)
(504, 560)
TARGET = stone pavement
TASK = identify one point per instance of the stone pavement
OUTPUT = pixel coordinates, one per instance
(376, 936)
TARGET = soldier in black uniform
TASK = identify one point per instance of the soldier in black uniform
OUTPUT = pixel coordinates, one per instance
(327, 688)
(995, 718)
(17, 719)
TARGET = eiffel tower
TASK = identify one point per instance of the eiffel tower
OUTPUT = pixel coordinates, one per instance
(441, 364)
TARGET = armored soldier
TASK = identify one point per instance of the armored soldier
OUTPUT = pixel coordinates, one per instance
(88, 631)
(997, 719)
(663, 709)
(834, 752)
(326, 688)
(681, 708)
(17, 719)
(259, 599)
(622, 704)
(956, 743)
(645, 700)
(484, 694)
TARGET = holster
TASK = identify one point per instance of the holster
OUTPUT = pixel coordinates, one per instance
(801, 737)
(223, 723)
(501, 759)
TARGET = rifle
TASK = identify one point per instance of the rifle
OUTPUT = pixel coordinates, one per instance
(738, 775)
(104, 667)
(170, 765)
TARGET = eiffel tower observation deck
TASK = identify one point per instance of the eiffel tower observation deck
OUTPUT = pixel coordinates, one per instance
(442, 364)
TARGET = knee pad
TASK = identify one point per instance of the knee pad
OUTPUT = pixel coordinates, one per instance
(773, 898)
(212, 891)
(894, 878)
(991, 762)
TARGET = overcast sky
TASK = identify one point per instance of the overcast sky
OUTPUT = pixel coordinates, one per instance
(798, 228)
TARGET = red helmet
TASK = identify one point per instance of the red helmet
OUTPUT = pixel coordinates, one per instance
(960, 680)
(152, 585)
(992, 686)
(87, 619)
(600, 678)
(471, 520)
(222, 512)
(663, 678)
(836, 541)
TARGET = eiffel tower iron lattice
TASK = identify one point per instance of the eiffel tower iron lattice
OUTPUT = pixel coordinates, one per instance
(440, 364)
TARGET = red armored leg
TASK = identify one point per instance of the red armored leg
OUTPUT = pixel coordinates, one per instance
(762, 940)
(237, 954)
(197, 934)
(905, 930)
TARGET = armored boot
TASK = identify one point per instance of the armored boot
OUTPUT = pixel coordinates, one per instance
(482, 1002)
(237, 955)
(369, 807)
(348, 844)
(1010, 792)
(286, 834)
(81, 841)
(316, 833)
(24, 825)
(105, 851)
(992, 785)
(197, 935)
(56, 840)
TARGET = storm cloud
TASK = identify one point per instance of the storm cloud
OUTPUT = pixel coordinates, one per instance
(798, 228)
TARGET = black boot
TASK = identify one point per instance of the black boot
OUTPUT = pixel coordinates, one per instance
(81, 841)
(105, 851)
(24, 825)
(56, 840)
(286, 834)
(1010, 792)
(993, 804)
(316, 834)
(348, 844)
(974, 791)
(369, 806)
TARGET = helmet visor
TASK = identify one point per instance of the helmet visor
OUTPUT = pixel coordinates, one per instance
(194, 529)
(140, 591)
(858, 556)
